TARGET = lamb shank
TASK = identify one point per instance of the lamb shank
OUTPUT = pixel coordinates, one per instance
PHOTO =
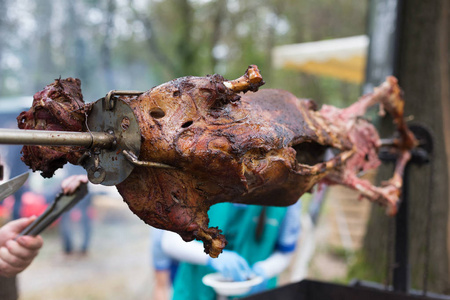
(225, 141)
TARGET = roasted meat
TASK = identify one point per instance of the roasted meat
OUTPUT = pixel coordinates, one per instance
(228, 142)
(58, 107)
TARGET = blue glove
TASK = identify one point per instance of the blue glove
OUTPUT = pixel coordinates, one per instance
(231, 265)
(258, 271)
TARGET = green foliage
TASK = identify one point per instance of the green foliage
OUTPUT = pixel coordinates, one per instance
(112, 44)
(368, 270)
(340, 252)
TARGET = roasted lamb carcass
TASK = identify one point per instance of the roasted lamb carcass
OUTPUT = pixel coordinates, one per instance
(227, 142)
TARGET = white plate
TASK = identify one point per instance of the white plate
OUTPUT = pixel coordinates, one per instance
(225, 287)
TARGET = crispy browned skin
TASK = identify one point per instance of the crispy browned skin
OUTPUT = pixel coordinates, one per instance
(59, 106)
(225, 150)
(260, 148)
(229, 142)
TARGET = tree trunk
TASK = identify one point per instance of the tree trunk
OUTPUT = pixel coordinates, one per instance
(45, 66)
(76, 43)
(185, 44)
(423, 73)
(219, 16)
(106, 48)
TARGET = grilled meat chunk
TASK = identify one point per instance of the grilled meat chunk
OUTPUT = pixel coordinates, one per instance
(58, 107)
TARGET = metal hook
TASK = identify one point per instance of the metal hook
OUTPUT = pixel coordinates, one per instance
(134, 160)
(109, 99)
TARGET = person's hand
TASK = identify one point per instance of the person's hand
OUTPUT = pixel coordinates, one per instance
(71, 183)
(258, 271)
(16, 256)
(231, 265)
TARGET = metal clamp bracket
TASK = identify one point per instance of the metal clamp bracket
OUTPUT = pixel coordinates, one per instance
(113, 115)
(110, 100)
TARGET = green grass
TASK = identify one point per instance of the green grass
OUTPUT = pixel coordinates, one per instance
(362, 269)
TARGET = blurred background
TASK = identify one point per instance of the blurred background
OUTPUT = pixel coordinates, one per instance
(138, 44)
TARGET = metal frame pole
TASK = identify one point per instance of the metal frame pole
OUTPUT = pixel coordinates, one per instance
(401, 276)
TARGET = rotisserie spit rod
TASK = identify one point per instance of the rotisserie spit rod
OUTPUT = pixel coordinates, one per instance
(103, 140)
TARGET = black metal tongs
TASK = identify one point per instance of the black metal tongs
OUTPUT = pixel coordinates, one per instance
(61, 204)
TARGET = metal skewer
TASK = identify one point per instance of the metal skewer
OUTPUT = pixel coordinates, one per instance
(102, 140)
(111, 127)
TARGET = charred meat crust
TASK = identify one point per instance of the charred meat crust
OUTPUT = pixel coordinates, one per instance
(59, 106)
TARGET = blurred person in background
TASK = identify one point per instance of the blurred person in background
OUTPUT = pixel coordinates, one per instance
(164, 267)
(261, 242)
(69, 186)
(17, 168)
(15, 254)
(67, 180)
(13, 165)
